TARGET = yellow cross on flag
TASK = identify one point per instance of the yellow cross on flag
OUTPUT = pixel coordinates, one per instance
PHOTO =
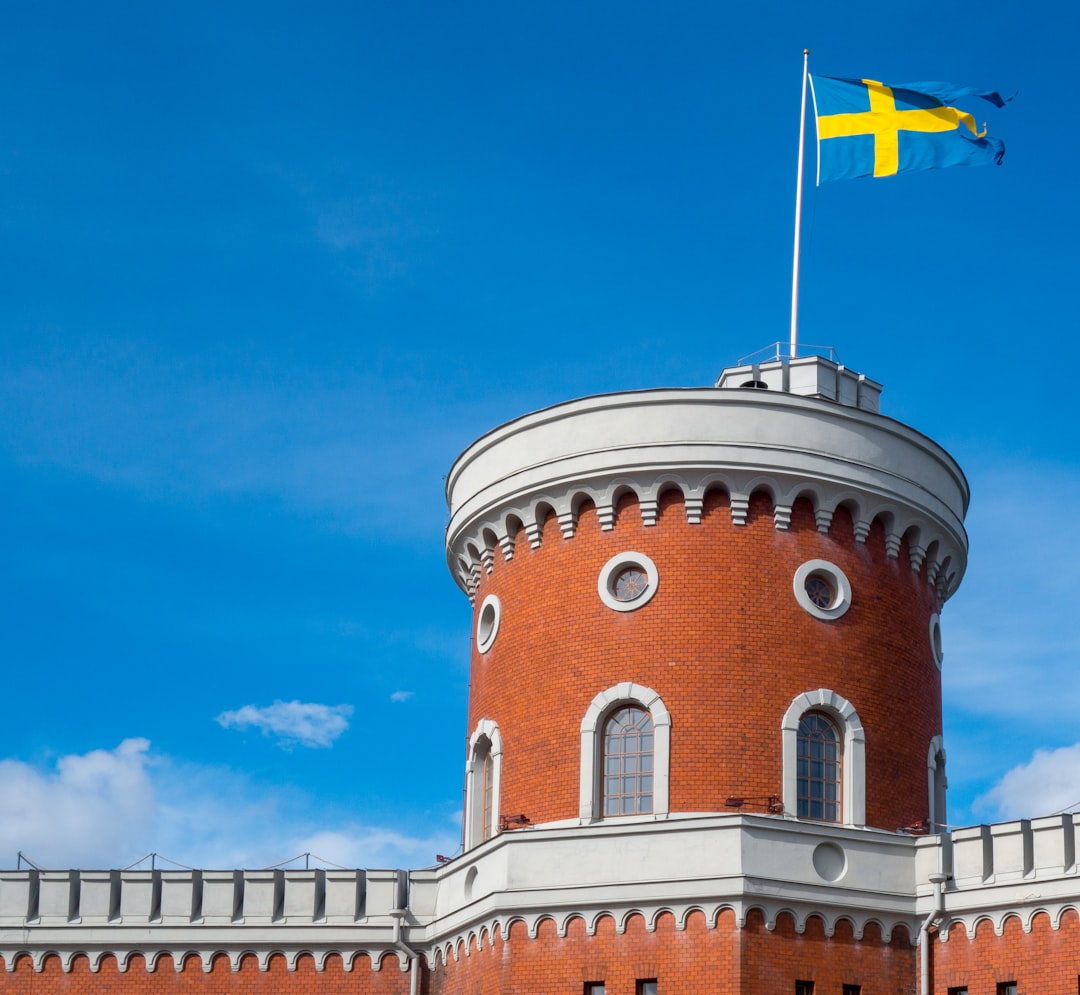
(866, 128)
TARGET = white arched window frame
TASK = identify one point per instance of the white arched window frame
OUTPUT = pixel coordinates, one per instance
(853, 769)
(936, 783)
(592, 729)
(484, 742)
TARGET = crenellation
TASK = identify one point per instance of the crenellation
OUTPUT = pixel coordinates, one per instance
(58, 897)
(99, 895)
(973, 856)
(222, 896)
(1012, 850)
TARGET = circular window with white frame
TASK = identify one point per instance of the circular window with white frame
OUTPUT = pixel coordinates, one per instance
(822, 589)
(627, 581)
(487, 623)
(935, 639)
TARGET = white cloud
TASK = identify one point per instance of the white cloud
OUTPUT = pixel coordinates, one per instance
(1049, 782)
(84, 808)
(292, 722)
(108, 808)
(365, 846)
(402, 695)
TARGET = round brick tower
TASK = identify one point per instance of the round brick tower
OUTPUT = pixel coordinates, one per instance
(707, 600)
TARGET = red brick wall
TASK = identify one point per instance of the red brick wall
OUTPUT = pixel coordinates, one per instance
(691, 961)
(723, 642)
(722, 961)
(249, 980)
(1043, 962)
(774, 961)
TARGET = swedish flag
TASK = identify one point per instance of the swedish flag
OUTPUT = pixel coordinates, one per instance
(866, 128)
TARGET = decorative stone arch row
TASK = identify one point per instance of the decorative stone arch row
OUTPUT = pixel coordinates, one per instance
(205, 956)
(479, 936)
(943, 555)
(998, 919)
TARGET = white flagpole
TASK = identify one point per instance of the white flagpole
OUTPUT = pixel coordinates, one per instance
(798, 213)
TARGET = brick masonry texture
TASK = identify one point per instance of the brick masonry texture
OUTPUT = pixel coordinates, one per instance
(723, 642)
(192, 980)
(1043, 962)
(727, 960)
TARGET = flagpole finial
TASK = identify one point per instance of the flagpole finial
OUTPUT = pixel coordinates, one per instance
(806, 51)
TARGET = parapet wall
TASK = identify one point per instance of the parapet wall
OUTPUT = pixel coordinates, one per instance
(740, 871)
(206, 913)
(739, 441)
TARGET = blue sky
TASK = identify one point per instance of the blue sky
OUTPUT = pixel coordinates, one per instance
(266, 270)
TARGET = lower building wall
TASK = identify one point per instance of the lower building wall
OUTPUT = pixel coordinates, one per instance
(772, 961)
(723, 960)
(1045, 961)
(165, 980)
(693, 960)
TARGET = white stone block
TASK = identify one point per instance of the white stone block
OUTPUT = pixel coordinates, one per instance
(260, 894)
(14, 897)
(301, 895)
(136, 896)
(97, 894)
(343, 895)
(177, 896)
(1052, 844)
(847, 387)
(55, 898)
(1012, 850)
(973, 858)
(219, 902)
(385, 891)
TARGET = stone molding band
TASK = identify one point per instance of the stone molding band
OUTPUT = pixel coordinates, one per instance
(942, 550)
(647, 442)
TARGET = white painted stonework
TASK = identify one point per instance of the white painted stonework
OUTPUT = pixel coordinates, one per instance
(708, 863)
(646, 442)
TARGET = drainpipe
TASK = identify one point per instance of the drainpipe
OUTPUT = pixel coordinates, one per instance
(398, 915)
(937, 879)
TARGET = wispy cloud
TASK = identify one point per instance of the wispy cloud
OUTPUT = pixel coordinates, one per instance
(366, 846)
(108, 808)
(1049, 782)
(402, 695)
(292, 722)
(175, 434)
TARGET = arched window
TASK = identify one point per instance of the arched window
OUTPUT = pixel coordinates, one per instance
(482, 776)
(819, 769)
(824, 755)
(937, 783)
(486, 764)
(628, 762)
(625, 754)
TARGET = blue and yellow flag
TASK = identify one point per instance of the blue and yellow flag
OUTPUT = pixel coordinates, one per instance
(866, 128)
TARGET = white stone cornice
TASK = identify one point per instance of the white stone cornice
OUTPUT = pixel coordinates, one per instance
(645, 442)
(203, 914)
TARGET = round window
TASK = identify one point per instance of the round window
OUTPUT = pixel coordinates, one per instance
(487, 623)
(630, 583)
(627, 581)
(935, 639)
(822, 589)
